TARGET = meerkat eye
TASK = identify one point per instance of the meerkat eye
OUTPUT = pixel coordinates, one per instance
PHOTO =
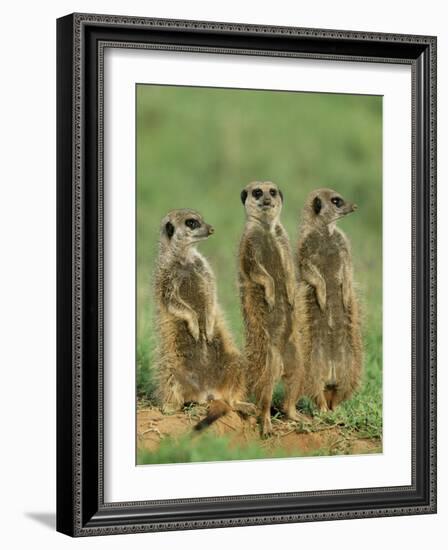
(273, 192)
(192, 223)
(337, 201)
(257, 193)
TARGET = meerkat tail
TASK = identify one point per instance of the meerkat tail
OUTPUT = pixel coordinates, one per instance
(217, 409)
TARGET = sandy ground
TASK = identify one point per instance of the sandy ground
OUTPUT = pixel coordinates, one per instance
(291, 437)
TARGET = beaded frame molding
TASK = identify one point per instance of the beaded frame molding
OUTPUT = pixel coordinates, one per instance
(81, 39)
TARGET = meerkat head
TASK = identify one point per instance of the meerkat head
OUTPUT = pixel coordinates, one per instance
(262, 200)
(325, 206)
(183, 228)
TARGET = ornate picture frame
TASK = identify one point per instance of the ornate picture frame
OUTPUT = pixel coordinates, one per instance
(81, 506)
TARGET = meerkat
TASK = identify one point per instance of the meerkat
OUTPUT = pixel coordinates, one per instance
(197, 360)
(267, 290)
(327, 307)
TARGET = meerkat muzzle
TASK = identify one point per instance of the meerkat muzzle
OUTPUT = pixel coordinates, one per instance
(349, 208)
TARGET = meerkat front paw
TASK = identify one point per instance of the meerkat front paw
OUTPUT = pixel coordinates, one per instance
(322, 298)
(193, 327)
(346, 293)
(209, 331)
(291, 295)
(270, 300)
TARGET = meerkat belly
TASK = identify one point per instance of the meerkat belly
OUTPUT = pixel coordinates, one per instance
(330, 265)
(273, 263)
(194, 354)
(330, 327)
(193, 293)
(203, 359)
(278, 319)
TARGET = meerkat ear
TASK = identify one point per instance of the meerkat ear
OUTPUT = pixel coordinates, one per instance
(169, 228)
(281, 195)
(317, 205)
(243, 196)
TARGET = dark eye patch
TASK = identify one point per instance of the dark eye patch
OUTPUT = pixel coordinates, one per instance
(273, 192)
(337, 201)
(192, 223)
(257, 193)
(169, 228)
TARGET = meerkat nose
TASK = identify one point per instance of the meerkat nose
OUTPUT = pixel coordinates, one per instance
(211, 230)
(354, 207)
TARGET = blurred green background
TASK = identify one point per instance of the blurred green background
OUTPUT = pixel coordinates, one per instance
(198, 147)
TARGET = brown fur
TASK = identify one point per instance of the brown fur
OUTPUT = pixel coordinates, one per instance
(197, 360)
(327, 306)
(267, 290)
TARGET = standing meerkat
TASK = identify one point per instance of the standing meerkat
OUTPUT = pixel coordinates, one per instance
(327, 306)
(197, 360)
(267, 289)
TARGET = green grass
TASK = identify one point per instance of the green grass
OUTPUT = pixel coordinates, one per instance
(198, 148)
(208, 448)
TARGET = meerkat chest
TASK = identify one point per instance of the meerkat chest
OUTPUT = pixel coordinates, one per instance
(328, 256)
(270, 254)
(196, 283)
